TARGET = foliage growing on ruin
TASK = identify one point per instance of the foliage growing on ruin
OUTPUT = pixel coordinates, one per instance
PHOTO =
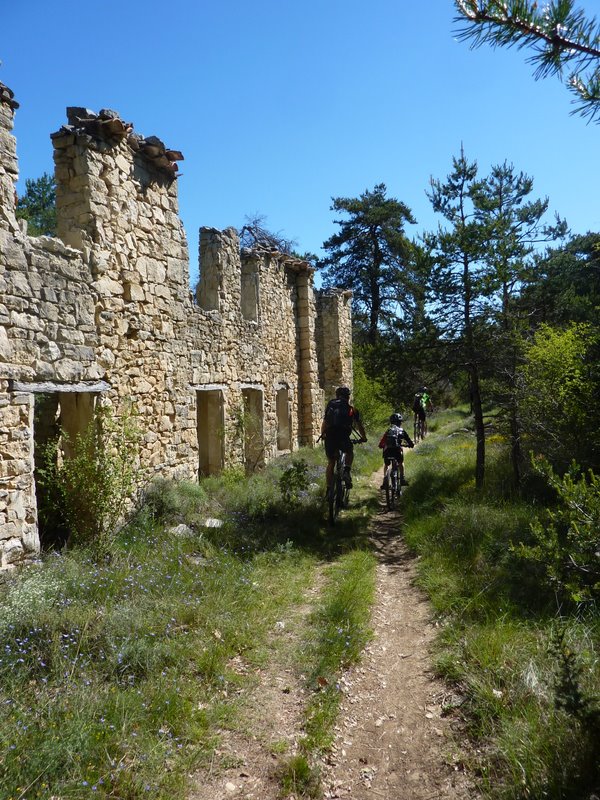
(91, 486)
(254, 235)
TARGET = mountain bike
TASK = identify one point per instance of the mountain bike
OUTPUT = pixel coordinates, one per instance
(420, 428)
(391, 483)
(338, 494)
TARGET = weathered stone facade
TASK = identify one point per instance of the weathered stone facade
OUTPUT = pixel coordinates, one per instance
(105, 310)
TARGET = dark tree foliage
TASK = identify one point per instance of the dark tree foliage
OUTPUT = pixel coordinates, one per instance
(371, 255)
(512, 227)
(564, 41)
(38, 206)
(565, 286)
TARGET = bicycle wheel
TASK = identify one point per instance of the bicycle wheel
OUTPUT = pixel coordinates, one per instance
(395, 487)
(345, 497)
(387, 482)
(335, 497)
(343, 493)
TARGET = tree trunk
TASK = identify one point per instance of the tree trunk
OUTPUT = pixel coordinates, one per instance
(479, 427)
(516, 454)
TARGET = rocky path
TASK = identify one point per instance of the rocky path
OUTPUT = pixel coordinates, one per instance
(392, 740)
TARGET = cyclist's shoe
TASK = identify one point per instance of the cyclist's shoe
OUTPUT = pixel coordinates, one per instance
(383, 485)
(347, 477)
(403, 482)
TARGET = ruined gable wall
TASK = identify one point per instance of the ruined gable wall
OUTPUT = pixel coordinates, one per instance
(118, 203)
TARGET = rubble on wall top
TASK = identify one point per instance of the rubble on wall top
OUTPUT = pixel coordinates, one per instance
(107, 125)
(285, 259)
(335, 291)
(7, 96)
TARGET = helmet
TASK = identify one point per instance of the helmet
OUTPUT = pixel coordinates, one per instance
(396, 418)
(343, 391)
(424, 389)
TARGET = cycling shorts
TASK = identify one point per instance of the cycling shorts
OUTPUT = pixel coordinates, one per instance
(337, 440)
(393, 452)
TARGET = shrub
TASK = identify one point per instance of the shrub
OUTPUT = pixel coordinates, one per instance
(566, 538)
(293, 481)
(91, 487)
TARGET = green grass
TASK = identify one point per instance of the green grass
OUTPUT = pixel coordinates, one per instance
(338, 633)
(501, 622)
(115, 675)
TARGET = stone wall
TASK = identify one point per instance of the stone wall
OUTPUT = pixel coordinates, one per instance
(235, 375)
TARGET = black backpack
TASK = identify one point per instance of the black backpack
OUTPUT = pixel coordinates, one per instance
(339, 415)
(417, 405)
(393, 436)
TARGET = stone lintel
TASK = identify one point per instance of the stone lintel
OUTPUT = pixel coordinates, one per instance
(207, 387)
(51, 386)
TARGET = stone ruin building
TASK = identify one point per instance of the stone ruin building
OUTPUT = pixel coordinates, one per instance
(104, 313)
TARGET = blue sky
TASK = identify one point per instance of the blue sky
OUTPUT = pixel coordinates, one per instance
(280, 106)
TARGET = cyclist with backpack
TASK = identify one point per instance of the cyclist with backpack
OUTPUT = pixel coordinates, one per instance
(420, 406)
(339, 421)
(391, 444)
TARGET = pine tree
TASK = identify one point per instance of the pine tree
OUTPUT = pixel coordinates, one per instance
(459, 285)
(372, 256)
(513, 228)
(38, 206)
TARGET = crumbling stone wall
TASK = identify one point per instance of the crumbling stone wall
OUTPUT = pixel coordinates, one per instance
(105, 310)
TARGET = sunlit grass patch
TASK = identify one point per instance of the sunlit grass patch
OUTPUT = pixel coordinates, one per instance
(339, 632)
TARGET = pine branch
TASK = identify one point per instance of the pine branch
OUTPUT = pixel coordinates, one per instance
(559, 34)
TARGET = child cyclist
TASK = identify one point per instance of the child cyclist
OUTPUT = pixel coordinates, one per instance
(391, 444)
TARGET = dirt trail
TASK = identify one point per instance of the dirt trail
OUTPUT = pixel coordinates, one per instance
(392, 740)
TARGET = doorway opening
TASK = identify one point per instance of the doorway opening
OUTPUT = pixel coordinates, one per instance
(284, 419)
(254, 442)
(59, 418)
(210, 431)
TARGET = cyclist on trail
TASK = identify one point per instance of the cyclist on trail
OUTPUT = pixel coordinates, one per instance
(420, 403)
(391, 444)
(339, 420)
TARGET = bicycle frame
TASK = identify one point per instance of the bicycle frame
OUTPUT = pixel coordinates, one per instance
(339, 493)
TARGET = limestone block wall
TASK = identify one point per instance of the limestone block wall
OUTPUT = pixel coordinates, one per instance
(334, 339)
(9, 171)
(235, 375)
